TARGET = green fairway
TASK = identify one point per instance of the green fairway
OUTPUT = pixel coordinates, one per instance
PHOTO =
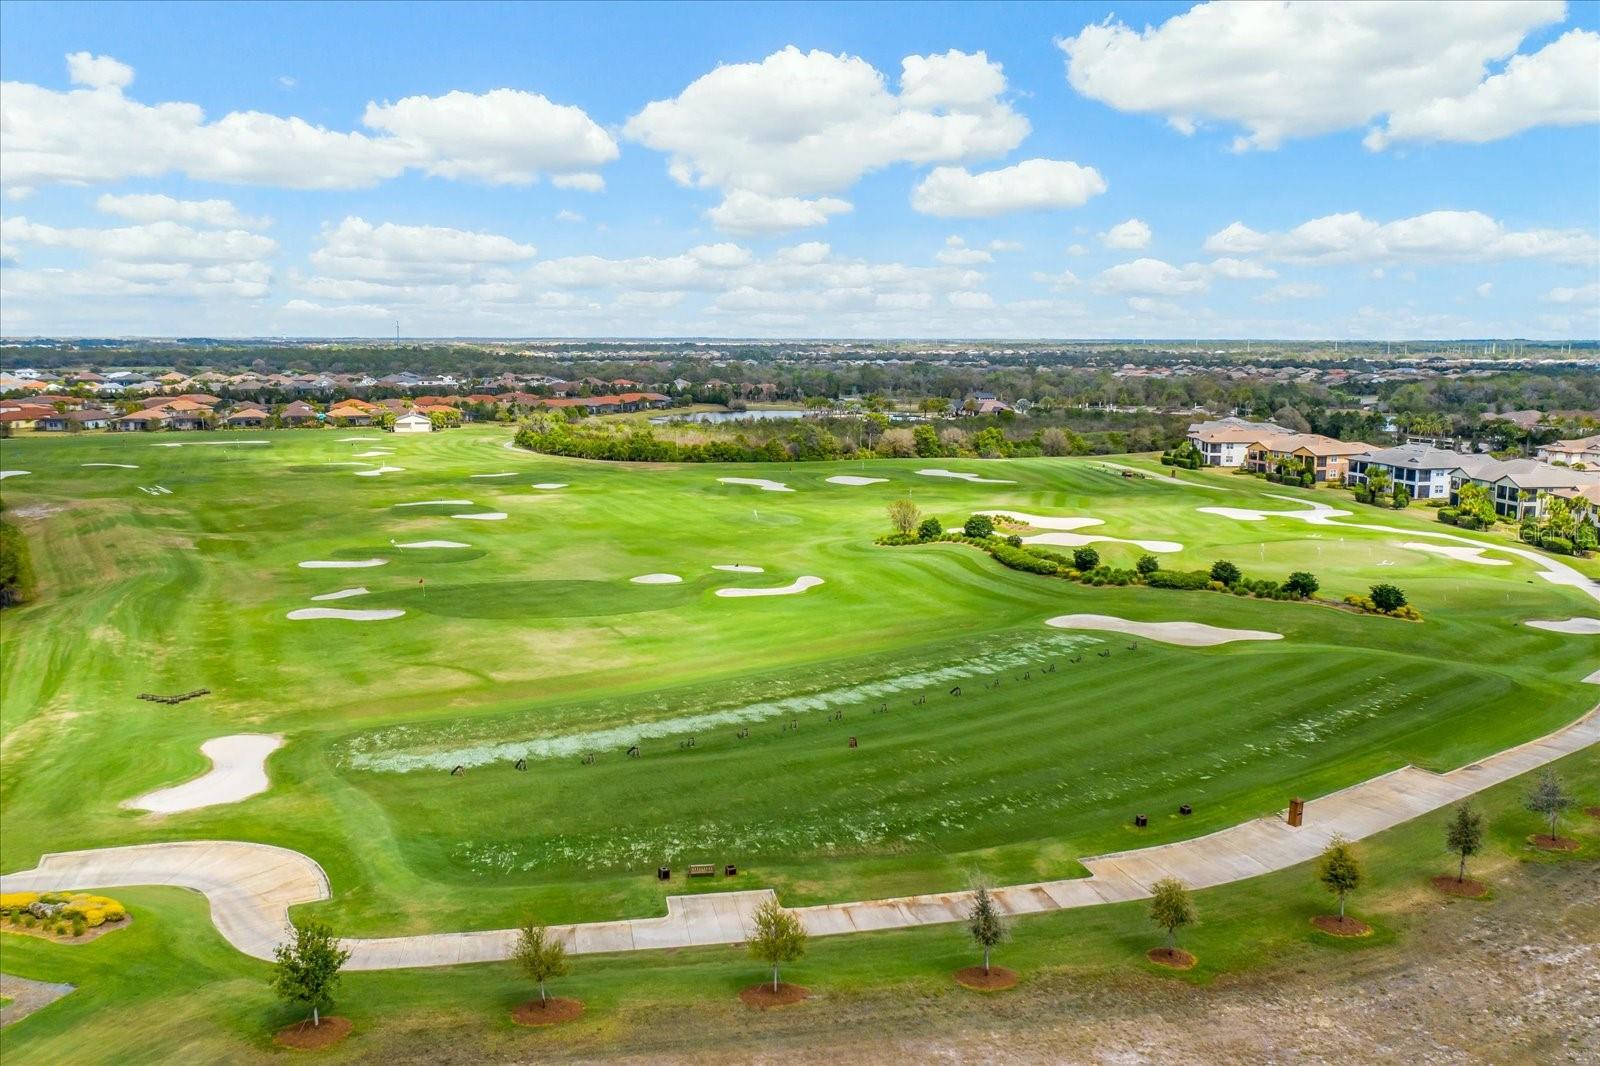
(532, 642)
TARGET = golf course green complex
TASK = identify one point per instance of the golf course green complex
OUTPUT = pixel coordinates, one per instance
(452, 640)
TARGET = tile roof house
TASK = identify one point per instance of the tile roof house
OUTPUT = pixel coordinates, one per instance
(1520, 487)
(1226, 441)
(88, 418)
(1327, 458)
(1585, 450)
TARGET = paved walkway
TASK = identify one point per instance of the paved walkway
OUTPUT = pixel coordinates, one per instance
(252, 886)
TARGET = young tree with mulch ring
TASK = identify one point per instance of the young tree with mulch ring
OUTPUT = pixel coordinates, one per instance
(1549, 797)
(903, 515)
(307, 971)
(987, 927)
(542, 956)
(1171, 908)
(1464, 837)
(778, 938)
(1339, 870)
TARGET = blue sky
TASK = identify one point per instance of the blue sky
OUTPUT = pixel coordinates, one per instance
(968, 170)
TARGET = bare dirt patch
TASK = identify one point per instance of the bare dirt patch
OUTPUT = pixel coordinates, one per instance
(996, 980)
(303, 1036)
(552, 1011)
(1550, 843)
(1592, 812)
(1347, 926)
(1171, 958)
(763, 996)
(1466, 888)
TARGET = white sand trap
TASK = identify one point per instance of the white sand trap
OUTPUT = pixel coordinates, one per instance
(757, 482)
(1580, 626)
(961, 475)
(1465, 555)
(341, 564)
(306, 613)
(179, 444)
(739, 568)
(853, 479)
(1189, 634)
(793, 588)
(437, 503)
(1045, 521)
(492, 475)
(343, 594)
(1078, 540)
(119, 466)
(547, 485)
(1593, 679)
(347, 440)
(373, 453)
(380, 470)
(1309, 510)
(346, 462)
(433, 544)
(656, 579)
(238, 771)
(13, 473)
(483, 516)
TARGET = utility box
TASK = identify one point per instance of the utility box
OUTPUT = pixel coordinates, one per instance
(1297, 811)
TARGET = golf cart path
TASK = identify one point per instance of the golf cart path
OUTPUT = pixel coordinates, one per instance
(252, 886)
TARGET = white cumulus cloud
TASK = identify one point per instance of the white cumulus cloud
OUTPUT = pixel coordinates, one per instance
(153, 207)
(1435, 236)
(752, 214)
(1130, 235)
(1031, 185)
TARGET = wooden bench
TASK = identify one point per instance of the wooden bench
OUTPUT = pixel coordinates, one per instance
(702, 869)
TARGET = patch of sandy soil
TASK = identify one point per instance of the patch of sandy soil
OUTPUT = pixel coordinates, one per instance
(483, 516)
(436, 503)
(433, 544)
(1188, 634)
(739, 568)
(341, 564)
(757, 482)
(854, 479)
(793, 588)
(380, 471)
(119, 466)
(310, 613)
(656, 579)
(343, 594)
(1576, 626)
(1451, 551)
(552, 1011)
(27, 996)
(960, 475)
(238, 771)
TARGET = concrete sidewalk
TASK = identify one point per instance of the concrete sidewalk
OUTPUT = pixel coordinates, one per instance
(252, 886)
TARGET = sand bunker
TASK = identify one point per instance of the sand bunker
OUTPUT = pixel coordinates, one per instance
(179, 444)
(963, 476)
(343, 594)
(119, 466)
(656, 579)
(1465, 555)
(306, 613)
(238, 771)
(380, 470)
(739, 568)
(347, 440)
(1309, 510)
(13, 473)
(1060, 532)
(483, 516)
(433, 544)
(155, 490)
(1593, 679)
(1045, 521)
(373, 453)
(492, 475)
(341, 564)
(794, 588)
(551, 485)
(758, 482)
(437, 503)
(1580, 626)
(1189, 634)
(852, 479)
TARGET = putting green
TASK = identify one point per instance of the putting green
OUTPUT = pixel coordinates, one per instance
(535, 643)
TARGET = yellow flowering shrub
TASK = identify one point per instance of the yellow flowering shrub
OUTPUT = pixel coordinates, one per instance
(96, 910)
(14, 902)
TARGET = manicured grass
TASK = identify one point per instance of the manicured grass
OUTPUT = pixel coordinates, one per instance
(534, 634)
(169, 986)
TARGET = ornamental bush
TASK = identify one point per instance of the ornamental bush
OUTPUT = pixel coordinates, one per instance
(979, 525)
(930, 529)
(1184, 580)
(1225, 572)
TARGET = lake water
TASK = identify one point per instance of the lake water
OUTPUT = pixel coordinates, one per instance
(731, 416)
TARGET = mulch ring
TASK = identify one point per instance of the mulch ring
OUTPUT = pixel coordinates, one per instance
(1171, 958)
(1549, 843)
(552, 1011)
(1466, 889)
(1592, 812)
(303, 1036)
(763, 996)
(997, 979)
(1334, 925)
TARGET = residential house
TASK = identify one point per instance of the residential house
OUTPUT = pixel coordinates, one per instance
(297, 413)
(1422, 470)
(1328, 459)
(1519, 487)
(140, 421)
(88, 418)
(1227, 441)
(248, 418)
(1585, 450)
(347, 413)
(413, 423)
